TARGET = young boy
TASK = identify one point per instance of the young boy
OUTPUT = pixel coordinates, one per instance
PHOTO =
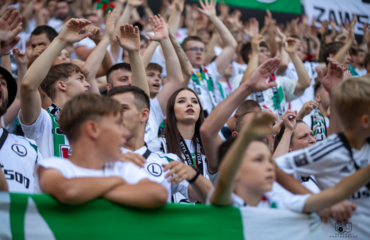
(344, 153)
(94, 128)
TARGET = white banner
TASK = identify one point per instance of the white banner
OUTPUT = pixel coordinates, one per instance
(340, 11)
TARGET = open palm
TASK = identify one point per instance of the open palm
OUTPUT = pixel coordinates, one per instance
(130, 38)
(159, 28)
(71, 29)
(291, 45)
(333, 77)
(257, 81)
(109, 24)
(208, 7)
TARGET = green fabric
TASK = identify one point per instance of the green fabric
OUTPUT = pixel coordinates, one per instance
(278, 98)
(59, 139)
(352, 70)
(101, 219)
(284, 6)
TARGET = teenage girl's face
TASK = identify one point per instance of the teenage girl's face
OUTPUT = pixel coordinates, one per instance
(187, 108)
(257, 172)
(302, 137)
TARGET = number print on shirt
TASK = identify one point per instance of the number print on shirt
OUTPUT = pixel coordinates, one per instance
(155, 169)
(11, 175)
(19, 149)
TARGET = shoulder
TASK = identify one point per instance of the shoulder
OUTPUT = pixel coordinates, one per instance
(22, 142)
(54, 162)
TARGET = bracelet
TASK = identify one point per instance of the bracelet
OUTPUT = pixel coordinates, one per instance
(191, 181)
(8, 53)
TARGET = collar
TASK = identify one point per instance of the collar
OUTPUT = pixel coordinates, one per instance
(139, 151)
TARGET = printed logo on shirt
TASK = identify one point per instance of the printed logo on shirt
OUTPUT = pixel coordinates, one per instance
(300, 160)
(154, 169)
(343, 229)
(19, 149)
(66, 151)
(345, 169)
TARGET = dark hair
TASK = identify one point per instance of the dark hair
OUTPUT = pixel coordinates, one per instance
(247, 106)
(49, 31)
(82, 108)
(317, 87)
(223, 148)
(172, 134)
(154, 67)
(90, 15)
(190, 38)
(330, 48)
(247, 49)
(60, 72)
(281, 133)
(141, 98)
(123, 66)
(144, 38)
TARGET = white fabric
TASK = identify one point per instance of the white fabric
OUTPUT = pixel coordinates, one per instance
(361, 72)
(217, 50)
(155, 119)
(17, 159)
(337, 10)
(181, 34)
(238, 68)
(57, 24)
(236, 81)
(153, 168)
(202, 91)
(120, 54)
(126, 170)
(41, 132)
(329, 162)
(308, 120)
(86, 42)
(158, 58)
(3, 123)
(225, 88)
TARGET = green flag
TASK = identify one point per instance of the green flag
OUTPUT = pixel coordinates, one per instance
(283, 6)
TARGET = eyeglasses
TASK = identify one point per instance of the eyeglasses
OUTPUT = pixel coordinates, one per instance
(264, 51)
(195, 49)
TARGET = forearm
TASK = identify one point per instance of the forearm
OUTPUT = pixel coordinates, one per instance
(39, 19)
(303, 78)
(273, 46)
(6, 63)
(148, 12)
(172, 63)
(148, 53)
(142, 195)
(106, 63)
(174, 20)
(139, 78)
(227, 37)
(284, 62)
(199, 189)
(344, 189)
(252, 65)
(290, 183)
(210, 53)
(343, 51)
(335, 124)
(283, 146)
(186, 67)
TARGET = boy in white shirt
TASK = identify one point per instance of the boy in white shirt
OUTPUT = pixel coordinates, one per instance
(95, 130)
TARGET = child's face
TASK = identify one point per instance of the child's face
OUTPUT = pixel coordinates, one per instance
(257, 171)
(154, 81)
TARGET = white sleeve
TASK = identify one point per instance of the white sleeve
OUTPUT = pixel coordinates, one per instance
(156, 109)
(3, 123)
(131, 173)
(182, 188)
(35, 130)
(295, 202)
(288, 86)
(59, 164)
(213, 72)
(308, 120)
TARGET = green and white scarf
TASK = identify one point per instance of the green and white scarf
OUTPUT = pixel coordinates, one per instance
(318, 126)
(60, 141)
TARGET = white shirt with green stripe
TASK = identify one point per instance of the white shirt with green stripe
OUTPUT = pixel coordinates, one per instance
(18, 157)
(46, 133)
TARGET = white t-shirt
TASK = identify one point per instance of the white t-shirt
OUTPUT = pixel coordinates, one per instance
(181, 34)
(155, 119)
(41, 131)
(308, 94)
(86, 42)
(158, 58)
(126, 170)
(238, 68)
(57, 24)
(120, 54)
(206, 97)
(329, 162)
(223, 90)
(361, 72)
(154, 169)
(18, 157)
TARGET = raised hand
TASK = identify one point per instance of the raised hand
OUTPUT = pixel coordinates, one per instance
(252, 27)
(130, 38)
(290, 119)
(10, 27)
(36, 52)
(208, 7)
(352, 28)
(20, 57)
(69, 32)
(179, 5)
(290, 45)
(256, 40)
(257, 82)
(135, 3)
(109, 24)
(333, 77)
(259, 125)
(95, 33)
(178, 172)
(159, 28)
(307, 108)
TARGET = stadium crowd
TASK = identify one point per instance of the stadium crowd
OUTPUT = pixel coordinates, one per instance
(187, 106)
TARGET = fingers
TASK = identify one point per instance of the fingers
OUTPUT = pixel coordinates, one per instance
(202, 5)
(16, 22)
(7, 14)
(150, 35)
(134, 158)
(84, 35)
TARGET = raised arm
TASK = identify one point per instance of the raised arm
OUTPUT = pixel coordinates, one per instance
(75, 190)
(303, 78)
(270, 23)
(130, 40)
(175, 80)
(175, 17)
(344, 50)
(30, 100)
(186, 67)
(258, 126)
(96, 57)
(219, 116)
(289, 120)
(21, 60)
(253, 60)
(210, 48)
(124, 19)
(230, 44)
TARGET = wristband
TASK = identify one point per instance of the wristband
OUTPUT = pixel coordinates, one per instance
(191, 181)
(8, 53)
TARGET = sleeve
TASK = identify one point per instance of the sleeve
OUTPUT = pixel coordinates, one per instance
(55, 163)
(213, 72)
(156, 109)
(131, 173)
(35, 130)
(3, 123)
(315, 160)
(288, 86)
(182, 188)
(295, 202)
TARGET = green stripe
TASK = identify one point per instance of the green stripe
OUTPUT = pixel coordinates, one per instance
(18, 205)
(284, 6)
(101, 219)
